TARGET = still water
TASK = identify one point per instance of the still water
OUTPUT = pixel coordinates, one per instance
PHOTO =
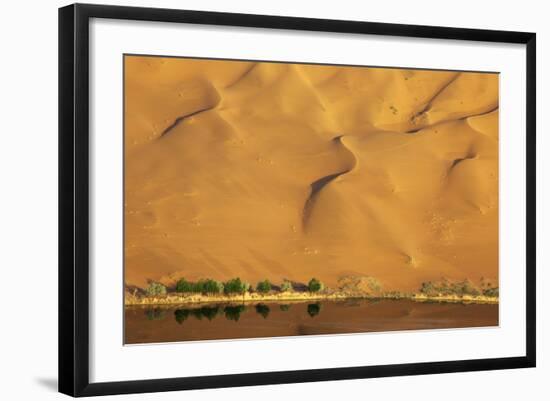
(226, 321)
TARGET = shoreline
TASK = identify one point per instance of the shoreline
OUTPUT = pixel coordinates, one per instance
(194, 299)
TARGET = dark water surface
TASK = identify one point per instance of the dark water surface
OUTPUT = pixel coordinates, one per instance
(224, 321)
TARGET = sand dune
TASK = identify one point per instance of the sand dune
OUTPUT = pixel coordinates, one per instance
(265, 170)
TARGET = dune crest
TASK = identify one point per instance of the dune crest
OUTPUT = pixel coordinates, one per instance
(288, 171)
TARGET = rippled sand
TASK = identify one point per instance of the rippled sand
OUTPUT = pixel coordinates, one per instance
(271, 170)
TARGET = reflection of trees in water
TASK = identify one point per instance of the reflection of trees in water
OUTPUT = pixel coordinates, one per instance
(233, 312)
(263, 310)
(313, 309)
(181, 315)
(208, 312)
(155, 314)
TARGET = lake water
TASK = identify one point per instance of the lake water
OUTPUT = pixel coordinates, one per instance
(230, 321)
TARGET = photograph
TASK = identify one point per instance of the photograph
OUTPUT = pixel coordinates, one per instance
(267, 198)
(275, 201)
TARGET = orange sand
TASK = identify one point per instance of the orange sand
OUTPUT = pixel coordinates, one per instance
(266, 170)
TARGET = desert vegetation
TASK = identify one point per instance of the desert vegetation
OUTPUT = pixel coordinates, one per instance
(348, 287)
(155, 289)
(286, 286)
(207, 286)
(236, 286)
(315, 285)
(263, 287)
(446, 287)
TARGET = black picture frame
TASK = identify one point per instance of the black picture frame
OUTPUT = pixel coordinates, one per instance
(74, 202)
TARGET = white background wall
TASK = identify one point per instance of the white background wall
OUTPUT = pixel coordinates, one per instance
(28, 198)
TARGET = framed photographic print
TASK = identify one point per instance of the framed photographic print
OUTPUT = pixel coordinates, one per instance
(277, 199)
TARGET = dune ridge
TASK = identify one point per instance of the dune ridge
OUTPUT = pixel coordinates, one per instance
(319, 184)
(267, 170)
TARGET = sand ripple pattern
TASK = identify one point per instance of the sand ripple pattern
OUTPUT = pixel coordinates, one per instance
(289, 171)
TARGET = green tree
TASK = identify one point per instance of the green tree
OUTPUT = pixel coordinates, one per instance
(315, 285)
(155, 289)
(236, 286)
(184, 286)
(263, 286)
(210, 286)
(198, 287)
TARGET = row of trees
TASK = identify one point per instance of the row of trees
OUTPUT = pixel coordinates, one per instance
(207, 286)
(230, 287)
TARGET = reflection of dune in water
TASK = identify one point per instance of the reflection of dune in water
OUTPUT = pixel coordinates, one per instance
(264, 170)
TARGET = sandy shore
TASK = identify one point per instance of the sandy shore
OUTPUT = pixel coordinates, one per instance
(296, 296)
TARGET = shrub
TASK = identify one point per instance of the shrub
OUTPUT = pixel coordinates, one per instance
(445, 287)
(284, 307)
(397, 294)
(263, 286)
(286, 286)
(466, 288)
(428, 288)
(491, 292)
(236, 286)
(155, 289)
(355, 284)
(315, 285)
(373, 284)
